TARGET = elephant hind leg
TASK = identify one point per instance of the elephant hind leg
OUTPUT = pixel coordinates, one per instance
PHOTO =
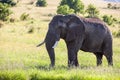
(109, 60)
(108, 53)
(99, 56)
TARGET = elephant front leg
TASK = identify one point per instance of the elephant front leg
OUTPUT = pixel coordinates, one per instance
(72, 55)
(72, 59)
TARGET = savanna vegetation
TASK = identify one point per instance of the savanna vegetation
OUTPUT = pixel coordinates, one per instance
(27, 25)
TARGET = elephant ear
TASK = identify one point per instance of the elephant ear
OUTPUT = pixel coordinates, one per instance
(71, 34)
(76, 28)
(61, 23)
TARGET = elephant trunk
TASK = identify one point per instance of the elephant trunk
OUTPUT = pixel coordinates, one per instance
(51, 54)
(51, 42)
(41, 43)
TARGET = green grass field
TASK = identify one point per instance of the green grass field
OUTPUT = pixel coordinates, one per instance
(20, 59)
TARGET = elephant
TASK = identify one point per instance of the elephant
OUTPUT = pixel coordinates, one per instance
(86, 34)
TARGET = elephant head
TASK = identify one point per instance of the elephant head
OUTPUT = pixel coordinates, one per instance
(61, 26)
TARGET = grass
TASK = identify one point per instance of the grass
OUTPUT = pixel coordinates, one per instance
(20, 59)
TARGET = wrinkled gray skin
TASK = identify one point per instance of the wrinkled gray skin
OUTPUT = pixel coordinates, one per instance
(89, 35)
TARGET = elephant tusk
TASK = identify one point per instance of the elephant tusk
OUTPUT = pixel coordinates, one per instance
(56, 43)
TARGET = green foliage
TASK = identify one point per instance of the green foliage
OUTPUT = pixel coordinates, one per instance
(10, 2)
(4, 12)
(64, 10)
(108, 19)
(24, 16)
(92, 11)
(76, 5)
(41, 3)
(116, 33)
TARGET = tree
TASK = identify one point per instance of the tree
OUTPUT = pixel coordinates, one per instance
(42, 3)
(76, 5)
(4, 12)
(64, 10)
(10, 2)
(92, 11)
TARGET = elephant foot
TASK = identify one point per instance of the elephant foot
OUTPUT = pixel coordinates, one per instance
(51, 66)
(110, 64)
(99, 63)
(73, 64)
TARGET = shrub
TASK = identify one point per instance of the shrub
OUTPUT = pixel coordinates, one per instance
(4, 12)
(76, 5)
(30, 30)
(92, 11)
(24, 16)
(10, 2)
(31, 2)
(115, 6)
(12, 20)
(116, 33)
(108, 19)
(109, 5)
(64, 10)
(42, 3)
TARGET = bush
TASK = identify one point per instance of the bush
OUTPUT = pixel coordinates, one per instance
(76, 5)
(4, 12)
(31, 2)
(115, 6)
(30, 30)
(108, 19)
(116, 33)
(24, 16)
(41, 3)
(9, 2)
(92, 11)
(109, 5)
(64, 10)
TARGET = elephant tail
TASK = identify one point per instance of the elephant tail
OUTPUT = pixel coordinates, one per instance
(40, 44)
